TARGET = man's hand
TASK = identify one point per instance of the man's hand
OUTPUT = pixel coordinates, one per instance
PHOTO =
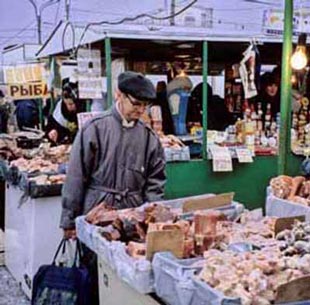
(69, 234)
(53, 135)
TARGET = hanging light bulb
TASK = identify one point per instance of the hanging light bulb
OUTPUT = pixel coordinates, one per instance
(299, 59)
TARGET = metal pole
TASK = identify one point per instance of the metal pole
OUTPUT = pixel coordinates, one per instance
(107, 44)
(286, 88)
(204, 98)
(51, 109)
(39, 29)
(88, 106)
(41, 119)
(172, 12)
(67, 4)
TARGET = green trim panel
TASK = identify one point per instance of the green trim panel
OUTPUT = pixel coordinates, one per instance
(248, 180)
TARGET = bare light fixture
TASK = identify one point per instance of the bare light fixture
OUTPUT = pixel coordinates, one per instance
(299, 59)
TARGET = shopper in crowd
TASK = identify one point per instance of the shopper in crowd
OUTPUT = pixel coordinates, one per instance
(218, 115)
(27, 113)
(62, 123)
(178, 93)
(116, 158)
(162, 101)
(4, 114)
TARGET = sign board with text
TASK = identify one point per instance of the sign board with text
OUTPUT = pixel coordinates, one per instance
(27, 91)
(26, 81)
(221, 159)
(89, 73)
(244, 155)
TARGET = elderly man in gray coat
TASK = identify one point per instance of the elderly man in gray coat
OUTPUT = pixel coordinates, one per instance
(115, 158)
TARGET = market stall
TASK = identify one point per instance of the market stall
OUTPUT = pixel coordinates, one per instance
(126, 268)
(197, 55)
(31, 234)
(32, 191)
(127, 261)
(242, 261)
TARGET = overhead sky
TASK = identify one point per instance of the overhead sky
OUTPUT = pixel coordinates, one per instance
(18, 22)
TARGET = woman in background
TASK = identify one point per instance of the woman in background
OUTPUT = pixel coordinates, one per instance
(62, 125)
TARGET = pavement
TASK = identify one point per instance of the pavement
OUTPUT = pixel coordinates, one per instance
(10, 292)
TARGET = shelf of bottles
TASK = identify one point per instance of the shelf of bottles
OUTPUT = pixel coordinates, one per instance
(253, 129)
(300, 135)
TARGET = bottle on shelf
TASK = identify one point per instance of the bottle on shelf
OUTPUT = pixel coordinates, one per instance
(259, 122)
(268, 120)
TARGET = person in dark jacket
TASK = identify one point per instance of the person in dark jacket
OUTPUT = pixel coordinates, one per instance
(162, 101)
(62, 124)
(218, 115)
(27, 113)
(115, 159)
(4, 114)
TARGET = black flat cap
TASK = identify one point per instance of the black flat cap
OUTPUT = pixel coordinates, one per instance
(136, 85)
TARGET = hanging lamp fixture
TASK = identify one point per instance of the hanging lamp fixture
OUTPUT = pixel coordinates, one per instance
(299, 59)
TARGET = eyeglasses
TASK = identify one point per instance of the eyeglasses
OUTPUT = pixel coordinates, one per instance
(137, 103)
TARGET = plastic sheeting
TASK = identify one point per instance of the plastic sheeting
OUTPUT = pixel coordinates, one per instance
(173, 278)
(85, 232)
(284, 208)
(137, 273)
(175, 282)
(206, 295)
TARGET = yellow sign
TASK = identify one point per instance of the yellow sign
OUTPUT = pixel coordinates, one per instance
(26, 91)
(26, 81)
(22, 74)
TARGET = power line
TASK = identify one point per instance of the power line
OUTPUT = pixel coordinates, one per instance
(95, 12)
(144, 15)
(17, 29)
(18, 33)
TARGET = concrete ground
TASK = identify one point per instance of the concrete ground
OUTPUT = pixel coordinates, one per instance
(10, 292)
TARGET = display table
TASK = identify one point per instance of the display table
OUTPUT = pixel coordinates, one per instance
(32, 234)
(114, 291)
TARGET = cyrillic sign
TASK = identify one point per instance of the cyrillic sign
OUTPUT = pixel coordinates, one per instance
(26, 81)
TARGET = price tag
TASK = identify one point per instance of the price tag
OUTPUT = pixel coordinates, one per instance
(244, 155)
(221, 159)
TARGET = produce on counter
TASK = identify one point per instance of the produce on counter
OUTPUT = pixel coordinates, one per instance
(8, 148)
(203, 230)
(42, 165)
(294, 189)
(58, 154)
(297, 240)
(258, 233)
(129, 224)
(170, 141)
(252, 276)
(48, 180)
(36, 164)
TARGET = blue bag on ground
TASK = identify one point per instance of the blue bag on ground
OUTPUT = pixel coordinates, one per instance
(58, 285)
